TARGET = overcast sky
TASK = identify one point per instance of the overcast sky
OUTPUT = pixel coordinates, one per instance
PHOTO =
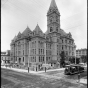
(17, 14)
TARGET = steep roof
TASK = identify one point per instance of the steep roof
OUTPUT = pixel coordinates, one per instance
(38, 31)
(15, 38)
(53, 4)
(53, 7)
(27, 31)
(62, 32)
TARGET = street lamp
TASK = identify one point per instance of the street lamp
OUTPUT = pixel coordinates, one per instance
(29, 39)
(45, 53)
(75, 57)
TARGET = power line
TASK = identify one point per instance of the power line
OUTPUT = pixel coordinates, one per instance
(76, 26)
(24, 10)
(4, 3)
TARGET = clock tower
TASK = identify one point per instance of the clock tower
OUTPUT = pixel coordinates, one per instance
(53, 18)
(53, 27)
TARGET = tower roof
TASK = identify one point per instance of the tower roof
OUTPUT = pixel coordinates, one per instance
(38, 31)
(53, 7)
(53, 4)
(27, 31)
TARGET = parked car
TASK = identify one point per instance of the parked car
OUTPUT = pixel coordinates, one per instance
(73, 69)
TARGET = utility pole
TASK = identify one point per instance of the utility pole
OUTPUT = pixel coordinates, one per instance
(75, 56)
(29, 55)
(45, 53)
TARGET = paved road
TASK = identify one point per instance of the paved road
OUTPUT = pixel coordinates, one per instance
(72, 78)
(13, 79)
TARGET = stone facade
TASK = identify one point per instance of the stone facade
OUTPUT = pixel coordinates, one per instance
(42, 47)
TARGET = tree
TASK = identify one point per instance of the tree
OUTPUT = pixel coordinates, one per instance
(62, 60)
(72, 60)
(77, 60)
(84, 58)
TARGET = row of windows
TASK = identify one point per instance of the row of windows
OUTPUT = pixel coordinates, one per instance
(51, 29)
(33, 59)
(67, 47)
(48, 58)
(41, 58)
(41, 51)
(66, 41)
(19, 52)
(3, 58)
(83, 52)
(18, 59)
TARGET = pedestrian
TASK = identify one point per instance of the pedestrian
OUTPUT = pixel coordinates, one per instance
(28, 69)
(45, 69)
(36, 68)
(78, 77)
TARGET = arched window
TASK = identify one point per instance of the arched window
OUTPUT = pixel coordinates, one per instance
(50, 29)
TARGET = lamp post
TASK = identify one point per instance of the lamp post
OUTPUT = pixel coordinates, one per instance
(75, 57)
(45, 52)
(29, 39)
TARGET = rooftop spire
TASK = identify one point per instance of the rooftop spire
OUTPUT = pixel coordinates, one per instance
(53, 4)
(53, 7)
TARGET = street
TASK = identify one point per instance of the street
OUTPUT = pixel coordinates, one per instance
(13, 79)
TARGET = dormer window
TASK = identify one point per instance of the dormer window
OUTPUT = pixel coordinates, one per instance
(51, 29)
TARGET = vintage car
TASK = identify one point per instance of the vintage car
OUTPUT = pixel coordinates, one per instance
(73, 69)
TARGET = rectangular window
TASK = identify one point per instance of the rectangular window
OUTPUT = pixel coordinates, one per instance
(23, 59)
(39, 58)
(43, 51)
(62, 41)
(62, 47)
(43, 58)
(46, 52)
(39, 51)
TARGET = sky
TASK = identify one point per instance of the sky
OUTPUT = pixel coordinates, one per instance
(16, 15)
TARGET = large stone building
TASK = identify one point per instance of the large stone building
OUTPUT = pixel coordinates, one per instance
(41, 47)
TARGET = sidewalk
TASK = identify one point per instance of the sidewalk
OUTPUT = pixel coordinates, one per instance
(23, 70)
(83, 80)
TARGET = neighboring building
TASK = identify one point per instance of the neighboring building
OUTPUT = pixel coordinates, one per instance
(80, 53)
(43, 47)
(5, 57)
